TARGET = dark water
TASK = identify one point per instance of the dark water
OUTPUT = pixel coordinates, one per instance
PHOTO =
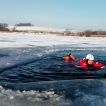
(39, 77)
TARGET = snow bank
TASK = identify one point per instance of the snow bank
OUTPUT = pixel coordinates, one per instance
(33, 28)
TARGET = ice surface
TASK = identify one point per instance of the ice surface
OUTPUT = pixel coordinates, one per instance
(14, 51)
(28, 40)
(31, 98)
(69, 93)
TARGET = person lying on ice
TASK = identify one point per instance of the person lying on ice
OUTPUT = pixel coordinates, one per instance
(85, 63)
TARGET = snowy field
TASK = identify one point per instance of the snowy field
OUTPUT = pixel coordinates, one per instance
(28, 40)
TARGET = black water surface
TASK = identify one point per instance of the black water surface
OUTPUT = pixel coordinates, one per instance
(40, 77)
(50, 66)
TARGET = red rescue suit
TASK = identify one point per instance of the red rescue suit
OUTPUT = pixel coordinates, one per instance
(84, 65)
(68, 58)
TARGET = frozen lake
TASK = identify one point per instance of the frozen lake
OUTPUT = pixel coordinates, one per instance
(33, 73)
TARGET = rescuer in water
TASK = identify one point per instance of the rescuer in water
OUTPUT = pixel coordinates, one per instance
(89, 63)
(85, 63)
(69, 57)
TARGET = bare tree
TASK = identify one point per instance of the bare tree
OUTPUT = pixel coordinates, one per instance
(24, 24)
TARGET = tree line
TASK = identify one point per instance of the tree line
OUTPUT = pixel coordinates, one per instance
(87, 33)
(4, 27)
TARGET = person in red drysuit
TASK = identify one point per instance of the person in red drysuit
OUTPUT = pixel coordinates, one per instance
(69, 57)
(90, 63)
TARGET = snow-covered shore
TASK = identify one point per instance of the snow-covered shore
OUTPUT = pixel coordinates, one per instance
(33, 29)
(30, 39)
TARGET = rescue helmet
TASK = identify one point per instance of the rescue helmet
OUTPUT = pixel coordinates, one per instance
(89, 57)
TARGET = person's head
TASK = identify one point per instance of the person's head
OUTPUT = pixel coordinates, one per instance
(90, 59)
(70, 53)
(72, 57)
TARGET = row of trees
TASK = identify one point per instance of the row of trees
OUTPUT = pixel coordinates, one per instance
(24, 24)
(4, 26)
(88, 33)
